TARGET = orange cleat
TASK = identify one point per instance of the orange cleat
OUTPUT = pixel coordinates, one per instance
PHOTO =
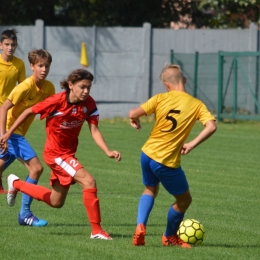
(174, 241)
(139, 235)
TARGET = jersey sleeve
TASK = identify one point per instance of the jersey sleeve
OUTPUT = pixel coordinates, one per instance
(19, 93)
(150, 105)
(46, 107)
(93, 113)
(204, 115)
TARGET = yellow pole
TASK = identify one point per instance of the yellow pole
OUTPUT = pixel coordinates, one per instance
(84, 55)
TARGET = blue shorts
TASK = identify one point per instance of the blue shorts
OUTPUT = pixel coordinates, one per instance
(18, 147)
(172, 179)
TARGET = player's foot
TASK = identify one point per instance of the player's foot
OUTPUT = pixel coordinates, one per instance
(139, 235)
(11, 194)
(101, 235)
(31, 220)
(174, 241)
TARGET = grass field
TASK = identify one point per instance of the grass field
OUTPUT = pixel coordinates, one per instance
(224, 179)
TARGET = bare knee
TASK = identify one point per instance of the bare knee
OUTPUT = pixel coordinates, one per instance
(151, 190)
(85, 179)
(36, 172)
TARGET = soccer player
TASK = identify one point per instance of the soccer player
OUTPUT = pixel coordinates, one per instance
(175, 114)
(65, 114)
(12, 69)
(28, 93)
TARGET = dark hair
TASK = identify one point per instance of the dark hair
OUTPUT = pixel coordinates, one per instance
(35, 56)
(9, 35)
(75, 76)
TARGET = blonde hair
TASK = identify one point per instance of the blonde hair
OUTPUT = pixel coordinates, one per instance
(172, 73)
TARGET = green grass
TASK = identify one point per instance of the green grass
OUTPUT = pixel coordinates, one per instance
(224, 178)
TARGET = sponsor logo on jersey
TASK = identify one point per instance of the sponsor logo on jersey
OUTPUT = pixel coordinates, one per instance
(72, 124)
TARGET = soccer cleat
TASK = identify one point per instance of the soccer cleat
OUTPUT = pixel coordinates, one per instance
(11, 193)
(101, 235)
(139, 235)
(174, 241)
(31, 220)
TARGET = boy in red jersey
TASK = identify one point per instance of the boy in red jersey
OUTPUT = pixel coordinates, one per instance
(176, 112)
(28, 93)
(12, 69)
(65, 114)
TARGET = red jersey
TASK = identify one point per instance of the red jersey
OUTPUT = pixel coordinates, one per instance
(64, 121)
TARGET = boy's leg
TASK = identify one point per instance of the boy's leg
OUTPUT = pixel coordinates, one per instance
(35, 169)
(91, 202)
(146, 202)
(1, 175)
(5, 160)
(175, 216)
(38, 192)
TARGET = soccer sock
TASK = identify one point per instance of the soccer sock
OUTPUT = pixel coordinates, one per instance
(173, 222)
(146, 203)
(91, 203)
(26, 200)
(35, 191)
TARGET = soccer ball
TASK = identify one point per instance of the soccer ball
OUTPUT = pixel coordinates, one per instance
(191, 231)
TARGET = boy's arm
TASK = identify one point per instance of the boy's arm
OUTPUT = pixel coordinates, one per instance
(18, 122)
(134, 115)
(209, 128)
(100, 141)
(3, 115)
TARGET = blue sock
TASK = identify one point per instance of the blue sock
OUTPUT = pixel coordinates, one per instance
(145, 206)
(26, 200)
(173, 222)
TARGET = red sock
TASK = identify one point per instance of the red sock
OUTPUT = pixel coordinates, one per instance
(35, 191)
(91, 203)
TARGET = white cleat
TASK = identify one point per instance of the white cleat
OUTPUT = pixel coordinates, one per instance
(101, 235)
(11, 194)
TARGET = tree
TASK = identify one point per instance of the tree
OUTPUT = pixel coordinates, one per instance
(160, 13)
(227, 13)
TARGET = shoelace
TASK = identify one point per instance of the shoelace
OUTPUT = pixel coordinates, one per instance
(175, 240)
(31, 216)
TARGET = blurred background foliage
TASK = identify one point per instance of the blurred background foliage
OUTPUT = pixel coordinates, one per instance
(159, 13)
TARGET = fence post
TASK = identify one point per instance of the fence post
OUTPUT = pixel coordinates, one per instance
(257, 83)
(220, 82)
(146, 53)
(234, 110)
(172, 56)
(39, 34)
(196, 64)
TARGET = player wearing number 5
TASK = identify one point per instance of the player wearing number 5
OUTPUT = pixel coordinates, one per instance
(65, 115)
(175, 114)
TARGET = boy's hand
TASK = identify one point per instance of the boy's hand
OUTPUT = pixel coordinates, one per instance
(4, 147)
(114, 154)
(135, 123)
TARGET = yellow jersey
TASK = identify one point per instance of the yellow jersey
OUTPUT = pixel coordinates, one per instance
(175, 114)
(10, 73)
(23, 96)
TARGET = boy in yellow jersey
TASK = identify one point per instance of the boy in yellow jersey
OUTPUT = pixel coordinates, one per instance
(12, 69)
(28, 93)
(175, 114)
